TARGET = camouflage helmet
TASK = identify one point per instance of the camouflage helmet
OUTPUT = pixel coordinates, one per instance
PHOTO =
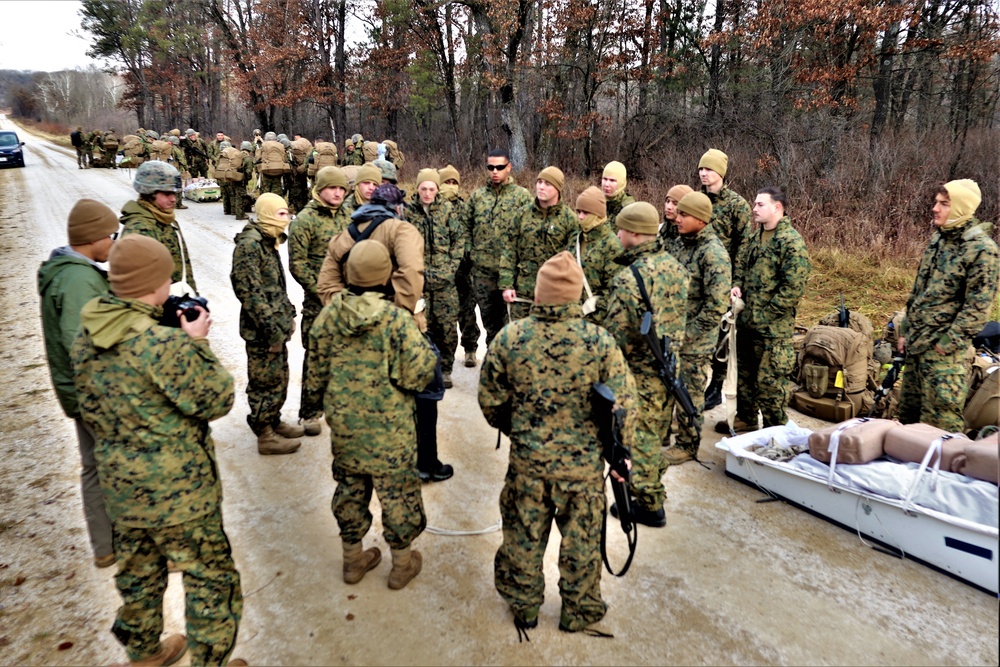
(256, 133)
(188, 132)
(388, 170)
(152, 134)
(270, 136)
(282, 136)
(155, 176)
(284, 141)
(224, 145)
(357, 138)
(246, 146)
(173, 139)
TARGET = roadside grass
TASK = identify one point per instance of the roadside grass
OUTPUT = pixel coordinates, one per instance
(49, 131)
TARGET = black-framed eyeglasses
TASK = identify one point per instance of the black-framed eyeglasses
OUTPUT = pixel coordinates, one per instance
(114, 236)
(497, 167)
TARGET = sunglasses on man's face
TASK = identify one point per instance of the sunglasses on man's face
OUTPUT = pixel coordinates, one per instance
(497, 167)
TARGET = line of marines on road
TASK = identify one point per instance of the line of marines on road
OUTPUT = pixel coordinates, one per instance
(389, 282)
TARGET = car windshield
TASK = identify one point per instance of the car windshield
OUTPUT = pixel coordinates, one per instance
(7, 140)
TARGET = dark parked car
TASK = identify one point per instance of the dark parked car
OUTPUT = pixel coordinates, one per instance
(11, 153)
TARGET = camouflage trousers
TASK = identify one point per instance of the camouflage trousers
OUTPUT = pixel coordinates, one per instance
(213, 599)
(81, 156)
(468, 327)
(933, 390)
(230, 193)
(310, 403)
(654, 410)
(763, 366)
(94, 509)
(528, 505)
(199, 167)
(399, 494)
(88, 154)
(239, 202)
(298, 192)
(492, 308)
(693, 373)
(442, 322)
(267, 385)
(272, 184)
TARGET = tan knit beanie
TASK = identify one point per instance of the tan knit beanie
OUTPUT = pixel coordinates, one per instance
(560, 280)
(330, 177)
(370, 173)
(696, 204)
(428, 175)
(554, 176)
(90, 221)
(448, 173)
(715, 160)
(592, 201)
(138, 265)
(678, 191)
(639, 218)
(369, 264)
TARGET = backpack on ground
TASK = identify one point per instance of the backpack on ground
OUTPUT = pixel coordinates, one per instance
(982, 404)
(228, 166)
(393, 154)
(324, 155)
(161, 150)
(835, 371)
(273, 161)
(300, 154)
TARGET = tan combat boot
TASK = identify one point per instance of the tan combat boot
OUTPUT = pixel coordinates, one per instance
(171, 650)
(312, 426)
(406, 564)
(675, 456)
(357, 562)
(269, 443)
(470, 360)
(289, 430)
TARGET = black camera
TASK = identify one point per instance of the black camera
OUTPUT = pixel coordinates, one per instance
(187, 304)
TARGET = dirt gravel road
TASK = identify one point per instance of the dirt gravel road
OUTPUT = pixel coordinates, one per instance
(729, 581)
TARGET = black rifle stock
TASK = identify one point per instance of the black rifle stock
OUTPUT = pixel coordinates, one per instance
(666, 365)
(888, 382)
(609, 423)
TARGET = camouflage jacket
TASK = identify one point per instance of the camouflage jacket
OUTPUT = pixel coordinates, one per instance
(731, 218)
(137, 218)
(616, 204)
(667, 285)
(772, 279)
(212, 150)
(490, 211)
(599, 248)
(955, 289)
(308, 239)
(352, 159)
(369, 359)
(179, 160)
(709, 280)
(533, 237)
(266, 316)
(149, 391)
(444, 240)
(194, 150)
(537, 376)
(461, 211)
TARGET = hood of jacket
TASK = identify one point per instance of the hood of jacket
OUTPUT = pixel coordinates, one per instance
(367, 212)
(109, 320)
(60, 258)
(358, 313)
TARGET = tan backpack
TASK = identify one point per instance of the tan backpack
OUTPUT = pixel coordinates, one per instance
(370, 149)
(300, 154)
(273, 160)
(325, 155)
(982, 406)
(161, 150)
(393, 154)
(228, 167)
(835, 364)
(134, 150)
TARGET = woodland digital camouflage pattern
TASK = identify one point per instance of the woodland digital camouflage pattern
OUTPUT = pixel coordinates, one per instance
(599, 248)
(308, 239)
(445, 244)
(138, 218)
(539, 371)
(772, 278)
(533, 236)
(370, 358)
(954, 291)
(709, 281)
(731, 221)
(666, 282)
(615, 204)
(266, 319)
(467, 324)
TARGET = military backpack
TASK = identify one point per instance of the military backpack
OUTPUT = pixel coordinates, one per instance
(325, 155)
(134, 150)
(300, 155)
(110, 143)
(393, 154)
(273, 160)
(161, 150)
(370, 150)
(228, 166)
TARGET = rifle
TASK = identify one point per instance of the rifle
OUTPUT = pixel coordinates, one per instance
(609, 423)
(666, 365)
(888, 382)
(845, 315)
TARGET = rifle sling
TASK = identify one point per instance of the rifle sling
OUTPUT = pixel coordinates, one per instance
(642, 287)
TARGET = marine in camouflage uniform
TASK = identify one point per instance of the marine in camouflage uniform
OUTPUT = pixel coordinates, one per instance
(467, 325)
(308, 240)
(538, 232)
(698, 250)
(242, 198)
(614, 179)
(370, 360)
(149, 393)
(143, 216)
(596, 248)
(444, 246)
(353, 155)
(196, 153)
(535, 384)
(366, 180)
(771, 277)
(298, 178)
(492, 210)
(666, 283)
(267, 317)
(954, 291)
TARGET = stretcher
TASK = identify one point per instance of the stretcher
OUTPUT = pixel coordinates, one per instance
(942, 519)
(202, 189)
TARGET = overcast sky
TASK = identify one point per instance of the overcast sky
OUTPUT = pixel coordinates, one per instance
(42, 36)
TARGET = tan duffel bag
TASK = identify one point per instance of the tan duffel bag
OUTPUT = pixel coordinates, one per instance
(910, 442)
(859, 442)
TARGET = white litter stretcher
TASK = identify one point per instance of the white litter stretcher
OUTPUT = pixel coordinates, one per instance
(942, 519)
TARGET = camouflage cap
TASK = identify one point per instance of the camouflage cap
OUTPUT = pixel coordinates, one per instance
(387, 194)
(388, 170)
(156, 176)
